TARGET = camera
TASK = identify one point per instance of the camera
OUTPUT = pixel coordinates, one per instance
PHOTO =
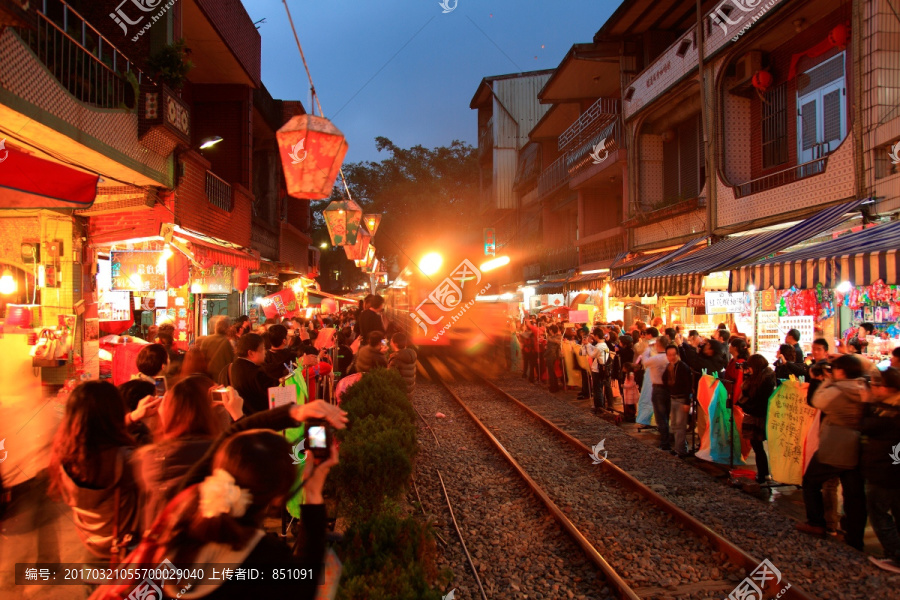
(218, 395)
(160, 384)
(318, 438)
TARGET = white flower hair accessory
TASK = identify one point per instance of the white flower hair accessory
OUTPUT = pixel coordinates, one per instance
(219, 495)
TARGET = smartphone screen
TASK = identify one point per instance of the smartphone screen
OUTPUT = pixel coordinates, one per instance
(318, 437)
(160, 383)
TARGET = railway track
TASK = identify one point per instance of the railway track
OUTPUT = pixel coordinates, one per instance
(644, 546)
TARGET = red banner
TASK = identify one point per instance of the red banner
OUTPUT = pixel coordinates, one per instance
(281, 304)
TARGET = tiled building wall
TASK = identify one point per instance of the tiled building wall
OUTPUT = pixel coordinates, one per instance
(736, 127)
(194, 211)
(226, 111)
(237, 30)
(650, 170)
(674, 229)
(836, 183)
(23, 78)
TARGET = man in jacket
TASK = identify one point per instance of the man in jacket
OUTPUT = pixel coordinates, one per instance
(280, 354)
(680, 384)
(881, 431)
(841, 401)
(371, 355)
(597, 350)
(246, 376)
(370, 319)
(403, 360)
(217, 347)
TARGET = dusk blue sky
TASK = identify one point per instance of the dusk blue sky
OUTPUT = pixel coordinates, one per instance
(422, 95)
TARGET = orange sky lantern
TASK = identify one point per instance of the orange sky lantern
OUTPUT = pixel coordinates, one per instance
(312, 150)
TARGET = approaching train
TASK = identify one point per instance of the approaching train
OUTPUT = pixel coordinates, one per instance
(448, 300)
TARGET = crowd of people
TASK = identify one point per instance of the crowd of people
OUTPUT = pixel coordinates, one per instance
(859, 403)
(188, 470)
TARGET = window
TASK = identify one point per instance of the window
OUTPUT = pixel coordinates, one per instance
(683, 162)
(822, 111)
(774, 127)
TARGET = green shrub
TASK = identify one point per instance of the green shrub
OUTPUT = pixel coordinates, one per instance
(376, 464)
(379, 392)
(390, 558)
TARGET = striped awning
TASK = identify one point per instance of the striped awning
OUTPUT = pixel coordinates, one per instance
(667, 257)
(685, 276)
(860, 258)
(587, 281)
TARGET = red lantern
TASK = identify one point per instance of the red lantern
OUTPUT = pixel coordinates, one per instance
(839, 36)
(762, 80)
(178, 269)
(312, 150)
(241, 278)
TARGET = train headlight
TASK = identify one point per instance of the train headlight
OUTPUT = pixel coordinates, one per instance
(431, 263)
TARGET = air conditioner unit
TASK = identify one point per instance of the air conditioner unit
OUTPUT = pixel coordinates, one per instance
(744, 70)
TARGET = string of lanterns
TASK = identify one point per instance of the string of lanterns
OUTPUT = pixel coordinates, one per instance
(312, 150)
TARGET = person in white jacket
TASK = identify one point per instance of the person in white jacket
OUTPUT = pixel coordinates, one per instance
(597, 350)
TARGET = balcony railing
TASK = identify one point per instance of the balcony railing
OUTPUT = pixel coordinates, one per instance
(218, 191)
(591, 121)
(557, 260)
(783, 177)
(554, 176)
(90, 67)
(605, 141)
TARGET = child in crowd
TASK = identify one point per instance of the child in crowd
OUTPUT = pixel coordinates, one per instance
(630, 392)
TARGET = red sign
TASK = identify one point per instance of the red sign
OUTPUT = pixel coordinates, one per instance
(698, 304)
(281, 304)
(767, 300)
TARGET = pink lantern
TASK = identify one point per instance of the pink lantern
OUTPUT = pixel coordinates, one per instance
(241, 278)
(312, 150)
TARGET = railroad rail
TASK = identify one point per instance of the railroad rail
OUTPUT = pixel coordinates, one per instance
(617, 581)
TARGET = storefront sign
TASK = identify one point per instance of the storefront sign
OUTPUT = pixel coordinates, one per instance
(649, 300)
(768, 300)
(217, 279)
(555, 299)
(698, 304)
(719, 303)
(137, 271)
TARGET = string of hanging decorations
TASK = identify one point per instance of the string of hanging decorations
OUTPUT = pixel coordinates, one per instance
(312, 150)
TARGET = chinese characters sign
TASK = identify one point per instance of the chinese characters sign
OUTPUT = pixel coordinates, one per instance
(718, 303)
(215, 280)
(138, 271)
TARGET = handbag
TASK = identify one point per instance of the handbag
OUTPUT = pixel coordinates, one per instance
(615, 389)
(44, 353)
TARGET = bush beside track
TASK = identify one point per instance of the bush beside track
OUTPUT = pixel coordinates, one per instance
(386, 554)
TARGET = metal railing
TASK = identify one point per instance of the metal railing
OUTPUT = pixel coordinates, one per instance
(783, 177)
(595, 118)
(607, 141)
(219, 193)
(90, 67)
(554, 176)
(557, 260)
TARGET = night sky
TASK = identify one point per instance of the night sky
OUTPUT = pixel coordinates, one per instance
(407, 71)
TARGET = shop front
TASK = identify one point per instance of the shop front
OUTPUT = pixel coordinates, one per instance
(829, 290)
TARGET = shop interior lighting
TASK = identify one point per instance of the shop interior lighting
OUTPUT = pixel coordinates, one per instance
(844, 287)
(167, 252)
(751, 288)
(7, 283)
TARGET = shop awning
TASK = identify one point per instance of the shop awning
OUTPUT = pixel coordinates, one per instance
(685, 276)
(587, 281)
(27, 181)
(208, 250)
(860, 258)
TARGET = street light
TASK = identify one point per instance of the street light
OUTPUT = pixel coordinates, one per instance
(324, 245)
(209, 142)
(494, 263)
(7, 283)
(431, 263)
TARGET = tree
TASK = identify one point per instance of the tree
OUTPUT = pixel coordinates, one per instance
(419, 192)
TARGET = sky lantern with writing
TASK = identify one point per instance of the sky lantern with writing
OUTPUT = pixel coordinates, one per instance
(342, 217)
(312, 150)
(358, 250)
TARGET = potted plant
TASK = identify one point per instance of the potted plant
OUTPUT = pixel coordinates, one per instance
(169, 65)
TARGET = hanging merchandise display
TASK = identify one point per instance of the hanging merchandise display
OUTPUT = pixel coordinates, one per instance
(312, 150)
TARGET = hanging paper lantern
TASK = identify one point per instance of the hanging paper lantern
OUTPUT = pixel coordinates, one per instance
(241, 278)
(370, 259)
(762, 80)
(312, 150)
(372, 222)
(342, 219)
(839, 35)
(178, 269)
(358, 250)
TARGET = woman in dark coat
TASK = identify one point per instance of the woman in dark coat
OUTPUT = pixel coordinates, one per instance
(759, 384)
